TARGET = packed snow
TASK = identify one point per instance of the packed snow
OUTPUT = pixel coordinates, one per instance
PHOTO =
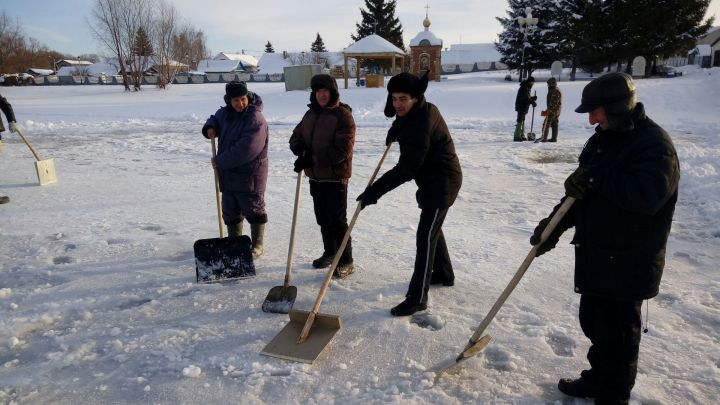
(97, 275)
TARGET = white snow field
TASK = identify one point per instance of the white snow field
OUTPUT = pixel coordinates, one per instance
(99, 301)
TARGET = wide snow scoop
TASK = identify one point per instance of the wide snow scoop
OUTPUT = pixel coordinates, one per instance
(219, 259)
(45, 168)
(281, 298)
(478, 342)
(295, 342)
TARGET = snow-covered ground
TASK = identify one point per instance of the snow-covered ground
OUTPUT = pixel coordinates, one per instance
(97, 284)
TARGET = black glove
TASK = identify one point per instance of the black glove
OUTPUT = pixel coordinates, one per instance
(532, 99)
(303, 161)
(534, 104)
(580, 183)
(550, 242)
(391, 137)
(299, 149)
(366, 198)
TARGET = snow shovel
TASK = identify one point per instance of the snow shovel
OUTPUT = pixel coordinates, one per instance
(531, 134)
(281, 298)
(478, 342)
(45, 168)
(220, 259)
(294, 341)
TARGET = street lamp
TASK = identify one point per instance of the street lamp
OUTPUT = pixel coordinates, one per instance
(525, 23)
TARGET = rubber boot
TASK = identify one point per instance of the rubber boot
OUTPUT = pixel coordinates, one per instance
(257, 232)
(329, 249)
(546, 129)
(4, 199)
(554, 134)
(234, 229)
(519, 134)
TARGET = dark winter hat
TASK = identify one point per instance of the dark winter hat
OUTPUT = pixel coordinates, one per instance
(327, 82)
(613, 91)
(236, 89)
(531, 79)
(405, 83)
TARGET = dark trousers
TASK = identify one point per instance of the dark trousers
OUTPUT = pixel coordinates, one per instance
(330, 203)
(238, 206)
(613, 327)
(432, 260)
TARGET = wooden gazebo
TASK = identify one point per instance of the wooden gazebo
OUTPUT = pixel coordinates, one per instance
(371, 47)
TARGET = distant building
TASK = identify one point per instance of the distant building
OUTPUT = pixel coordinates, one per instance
(225, 62)
(463, 58)
(707, 50)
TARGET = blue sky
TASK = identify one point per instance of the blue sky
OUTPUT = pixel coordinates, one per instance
(291, 25)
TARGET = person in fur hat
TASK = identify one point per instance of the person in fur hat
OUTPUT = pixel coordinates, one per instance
(427, 155)
(323, 142)
(242, 161)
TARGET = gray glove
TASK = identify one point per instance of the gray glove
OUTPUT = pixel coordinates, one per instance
(13, 127)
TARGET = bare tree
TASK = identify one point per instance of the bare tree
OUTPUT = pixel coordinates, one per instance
(107, 27)
(12, 42)
(135, 18)
(165, 26)
(189, 46)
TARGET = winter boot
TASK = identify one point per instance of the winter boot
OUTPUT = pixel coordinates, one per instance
(329, 246)
(257, 232)
(519, 134)
(554, 135)
(345, 266)
(408, 307)
(234, 229)
(4, 199)
(579, 388)
(546, 129)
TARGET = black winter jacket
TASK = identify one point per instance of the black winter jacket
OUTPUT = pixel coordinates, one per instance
(622, 226)
(7, 110)
(427, 155)
(523, 100)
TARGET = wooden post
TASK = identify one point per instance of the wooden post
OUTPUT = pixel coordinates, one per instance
(345, 70)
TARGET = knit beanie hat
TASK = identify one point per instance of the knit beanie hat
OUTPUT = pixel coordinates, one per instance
(235, 89)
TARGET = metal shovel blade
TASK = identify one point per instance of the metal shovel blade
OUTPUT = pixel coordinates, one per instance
(280, 299)
(219, 259)
(284, 345)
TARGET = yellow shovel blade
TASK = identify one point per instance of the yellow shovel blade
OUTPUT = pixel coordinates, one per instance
(284, 345)
(46, 171)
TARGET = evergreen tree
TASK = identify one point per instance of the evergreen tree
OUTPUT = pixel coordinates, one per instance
(519, 47)
(379, 18)
(318, 45)
(141, 44)
(269, 48)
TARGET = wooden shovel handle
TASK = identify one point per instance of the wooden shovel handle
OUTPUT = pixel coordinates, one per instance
(292, 229)
(27, 143)
(217, 189)
(338, 254)
(521, 271)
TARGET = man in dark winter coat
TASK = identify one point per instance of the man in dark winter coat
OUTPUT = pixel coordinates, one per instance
(626, 187)
(523, 101)
(552, 113)
(242, 160)
(10, 116)
(427, 155)
(323, 143)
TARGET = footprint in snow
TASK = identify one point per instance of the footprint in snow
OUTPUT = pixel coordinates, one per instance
(428, 321)
(561, 344)
(63, 260)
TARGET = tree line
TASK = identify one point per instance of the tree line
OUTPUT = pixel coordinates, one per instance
(18, 52)
(594, 34)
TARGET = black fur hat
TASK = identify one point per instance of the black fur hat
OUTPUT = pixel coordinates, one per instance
(327, 82)
(405, 83)
(235, 89)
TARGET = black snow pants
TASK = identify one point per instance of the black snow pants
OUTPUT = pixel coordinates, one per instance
(613, 327)
(432, 260)
(330, 203)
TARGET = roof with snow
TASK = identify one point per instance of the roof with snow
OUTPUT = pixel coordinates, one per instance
(247, 60)
(273, 63)
(220, 66)
(427, 36)
(470, 53)
(40, 72)
(372, 44)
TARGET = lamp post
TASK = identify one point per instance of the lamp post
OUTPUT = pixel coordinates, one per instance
(525, 23)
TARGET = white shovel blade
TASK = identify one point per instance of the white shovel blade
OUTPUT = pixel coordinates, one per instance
(46, 171)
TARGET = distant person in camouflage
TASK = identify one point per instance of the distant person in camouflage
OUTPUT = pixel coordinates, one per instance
(10, 115)
(552, 113)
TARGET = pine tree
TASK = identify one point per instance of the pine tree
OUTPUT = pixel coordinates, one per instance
(269, 48)
(379, 18)
(318, 45)
(141, 44)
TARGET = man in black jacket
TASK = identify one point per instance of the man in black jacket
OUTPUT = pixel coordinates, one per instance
(626, 187)
(427, 155)
(10, 115)
(523, 101)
